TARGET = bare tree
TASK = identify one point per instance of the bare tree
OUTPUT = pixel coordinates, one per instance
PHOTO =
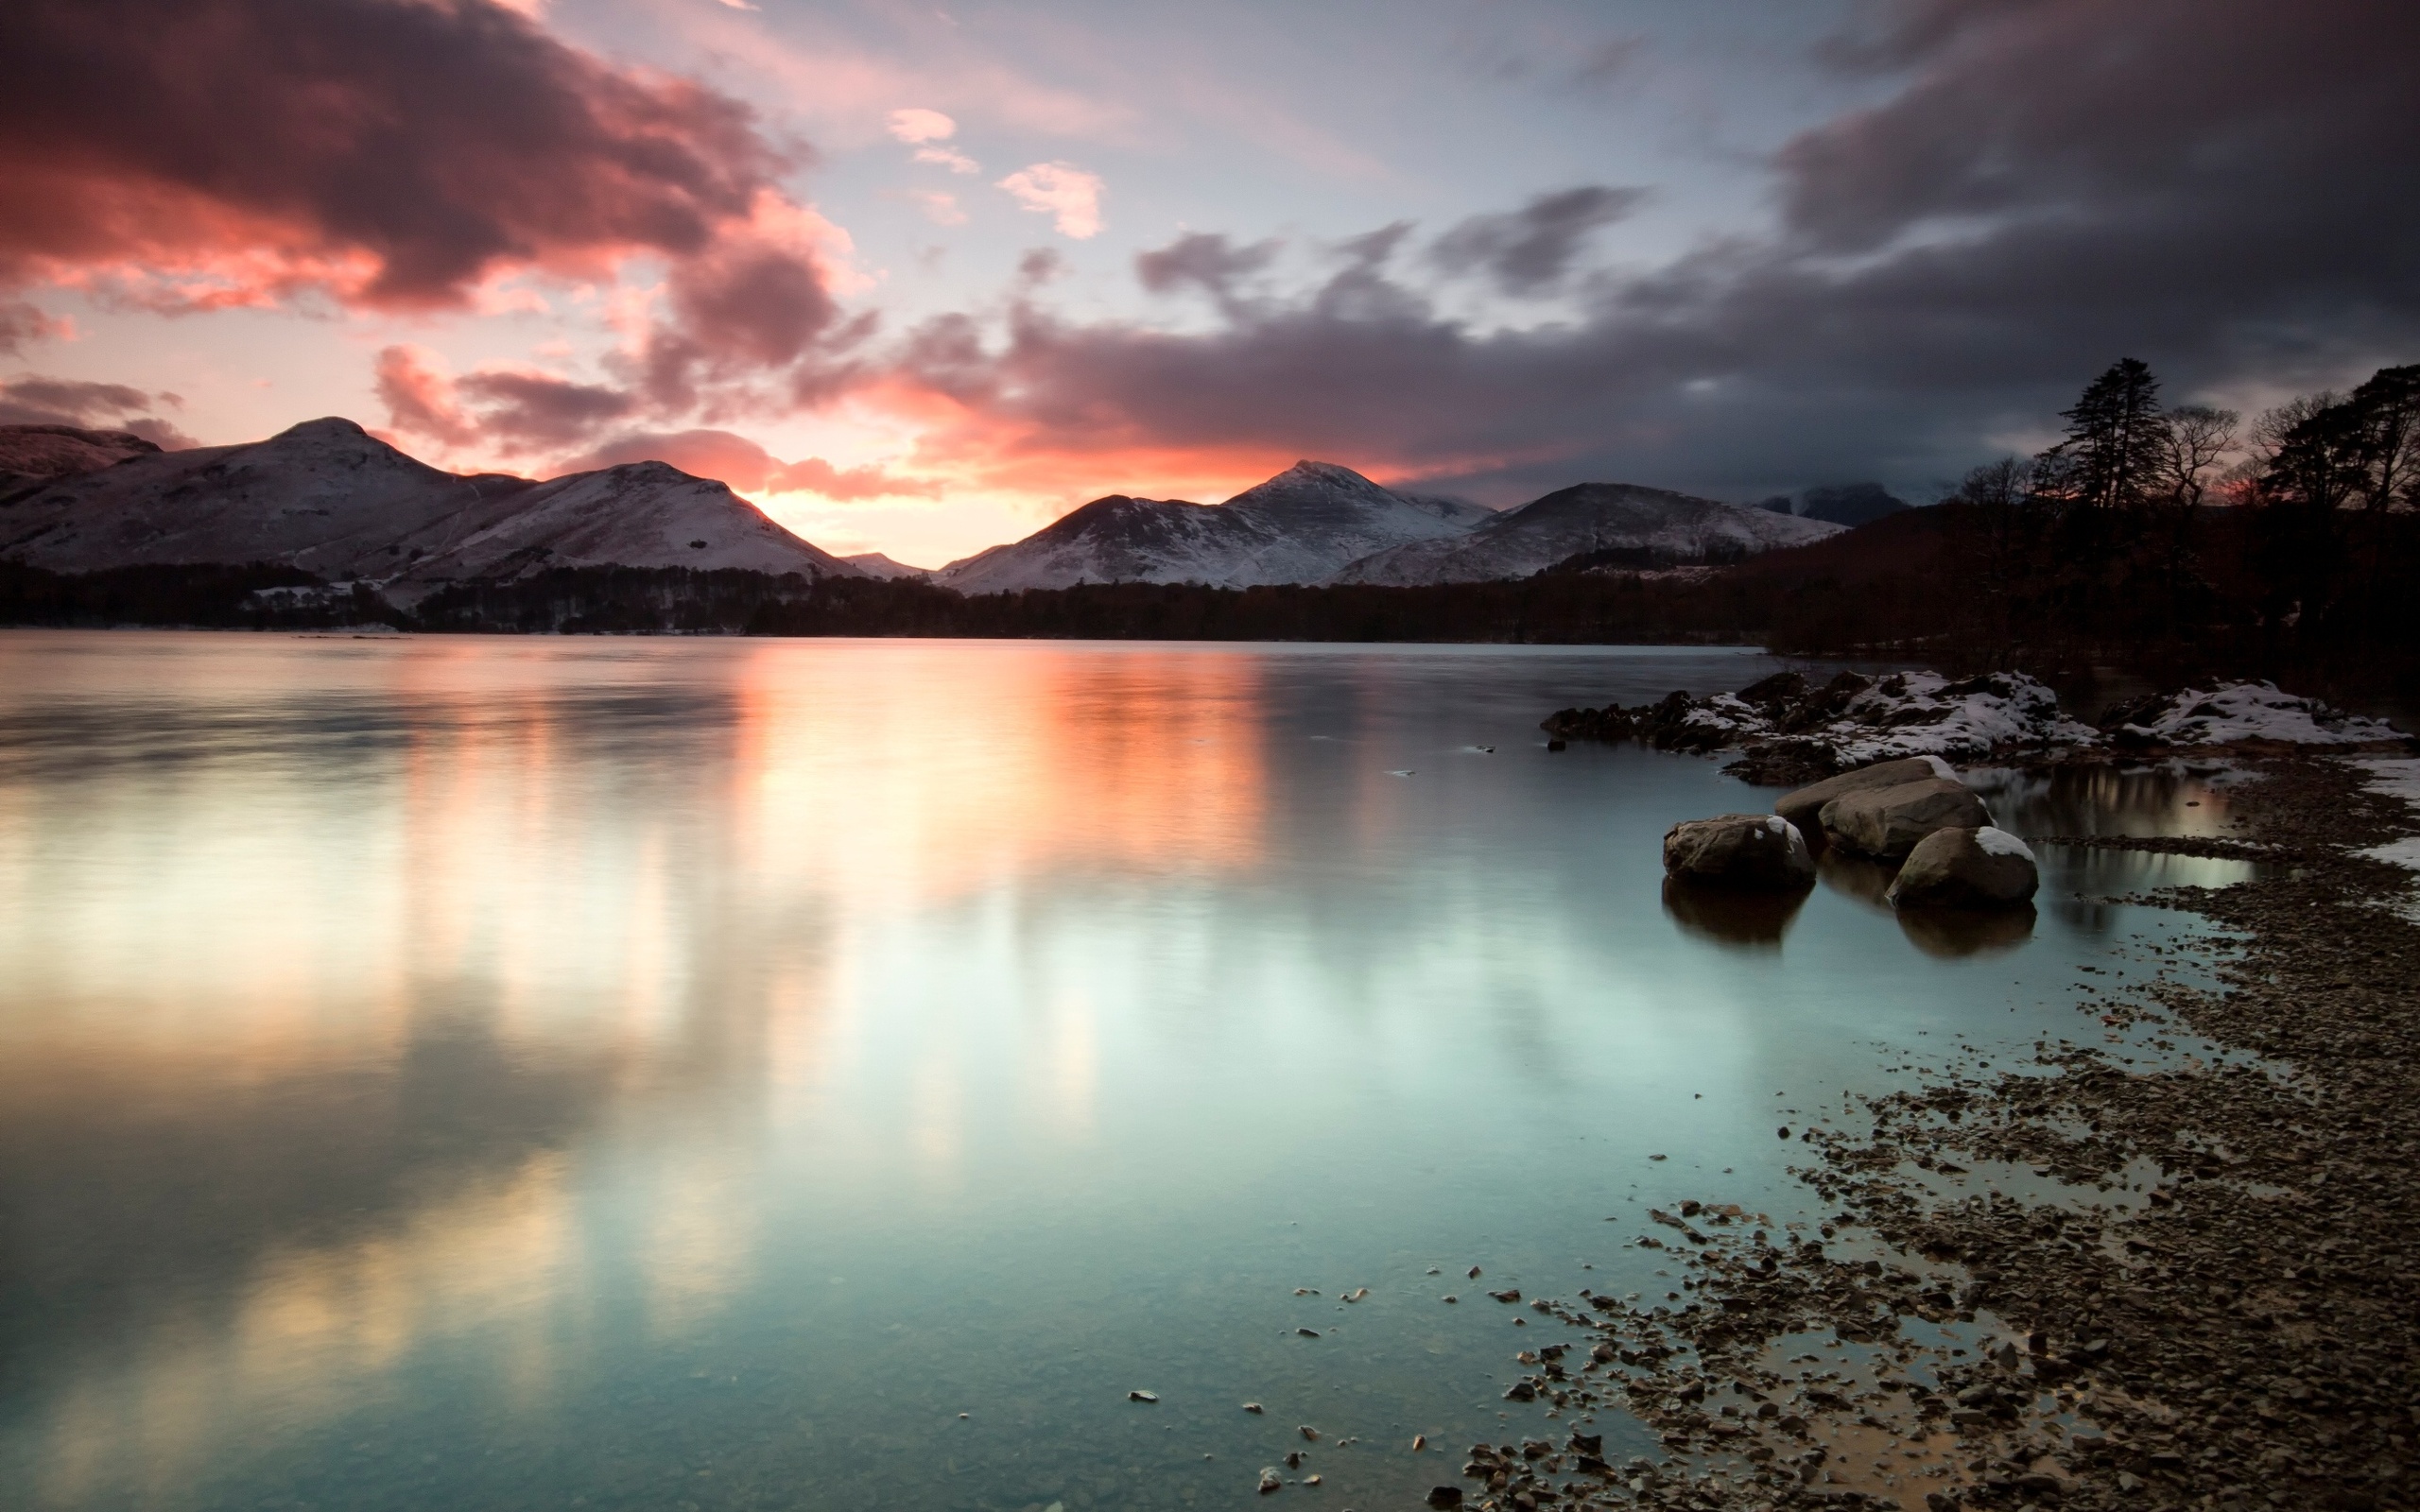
(2197, 437)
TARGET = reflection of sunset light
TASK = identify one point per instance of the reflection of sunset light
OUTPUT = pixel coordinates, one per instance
(720, 902)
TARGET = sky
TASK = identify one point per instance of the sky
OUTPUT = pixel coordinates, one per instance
(920, 279)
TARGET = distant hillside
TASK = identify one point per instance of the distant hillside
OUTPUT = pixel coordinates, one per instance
(331, 500)
(33, 455)
(1298, 527)
(1842, 504)
(1587, 519)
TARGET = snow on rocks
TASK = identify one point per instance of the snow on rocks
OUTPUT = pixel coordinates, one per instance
(1792, 731)
(2233, 713)
(1795, 732)
(2396, 777)
(1756, 850)
(1984, 868)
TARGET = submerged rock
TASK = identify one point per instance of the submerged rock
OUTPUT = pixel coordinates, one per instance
(1967, 869)
(1758, 850)
(1888, 821)
(1805, 807)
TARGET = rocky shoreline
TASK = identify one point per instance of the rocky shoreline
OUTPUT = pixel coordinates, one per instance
(2091, 1281)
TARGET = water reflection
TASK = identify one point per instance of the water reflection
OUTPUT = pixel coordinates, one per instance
(467, 1073)
(1955, 932)
(1729, 915)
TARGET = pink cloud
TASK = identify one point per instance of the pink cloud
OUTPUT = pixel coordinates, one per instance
(1067, 193)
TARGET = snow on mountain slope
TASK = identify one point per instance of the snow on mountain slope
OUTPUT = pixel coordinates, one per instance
(32, 455)
(639, 514)
(1297, 527)
(874, 564)
(1118, 539)
(328, 497)
(1589, 517)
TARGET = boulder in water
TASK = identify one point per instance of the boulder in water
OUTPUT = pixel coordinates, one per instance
(1805, 807)
(1759, 850)
(1888, 821)
(1967, 869)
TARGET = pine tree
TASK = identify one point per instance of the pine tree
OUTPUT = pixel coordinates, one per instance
(2116, 446)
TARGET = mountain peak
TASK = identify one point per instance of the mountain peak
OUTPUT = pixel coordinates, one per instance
(326, 428)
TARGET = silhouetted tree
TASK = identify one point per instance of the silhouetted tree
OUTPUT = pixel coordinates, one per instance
(2386, 416)
(2116, 446)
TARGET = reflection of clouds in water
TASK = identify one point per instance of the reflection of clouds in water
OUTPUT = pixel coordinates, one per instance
(316, 1332)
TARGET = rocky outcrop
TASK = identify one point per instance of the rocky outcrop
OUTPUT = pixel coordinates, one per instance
(2239, 713)
(1790, 731)
(1982, 868)
(1888, 821)
(1805, 807)
(1762, 851)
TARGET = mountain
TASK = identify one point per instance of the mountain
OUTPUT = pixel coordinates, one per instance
(1592, 517)
(874, 564)
(1842, 504)
(32, 455)
(331, 499)
(1298, 527)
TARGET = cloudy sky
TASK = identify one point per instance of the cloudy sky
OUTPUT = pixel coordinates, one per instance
(918, 279)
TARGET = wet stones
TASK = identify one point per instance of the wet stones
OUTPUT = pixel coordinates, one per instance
(1805, 807)
(1885, 823)
(1756, 852)
(1983, 868)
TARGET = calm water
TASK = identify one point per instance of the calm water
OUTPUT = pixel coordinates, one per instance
(499, 1074)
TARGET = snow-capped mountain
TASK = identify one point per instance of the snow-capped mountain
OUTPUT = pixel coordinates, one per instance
(874, 564)
(1298, 527)
(1586, 518)
(32, 455)
(329, 498)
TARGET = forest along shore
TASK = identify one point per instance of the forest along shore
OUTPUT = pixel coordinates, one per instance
(2088, 1281)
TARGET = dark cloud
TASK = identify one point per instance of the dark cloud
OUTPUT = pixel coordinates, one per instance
(396, 154)
(526, 412)
(1209, 263)
(1530, 250)
(402, 149)
(38, 401)
(2216, 186)
(21, 324)
(748, 467)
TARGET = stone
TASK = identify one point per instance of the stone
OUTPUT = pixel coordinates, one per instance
(1966, 868)
(1804, 806)
(1441, 1496)
(1758, 850)
(1888, 821)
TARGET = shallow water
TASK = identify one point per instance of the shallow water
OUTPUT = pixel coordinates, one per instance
(485, 1073)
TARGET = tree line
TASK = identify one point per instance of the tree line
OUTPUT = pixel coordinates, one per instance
(2165, 531)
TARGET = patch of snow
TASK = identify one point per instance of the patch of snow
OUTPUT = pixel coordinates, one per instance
(1924, 714)
(2396, 777)
(1728, 714)
(2255, 711)
(1941, 768)
(1997, 842)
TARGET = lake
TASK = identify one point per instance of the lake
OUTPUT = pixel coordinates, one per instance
(494, 1073)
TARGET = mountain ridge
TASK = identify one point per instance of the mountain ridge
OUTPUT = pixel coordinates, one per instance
(327, 497)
